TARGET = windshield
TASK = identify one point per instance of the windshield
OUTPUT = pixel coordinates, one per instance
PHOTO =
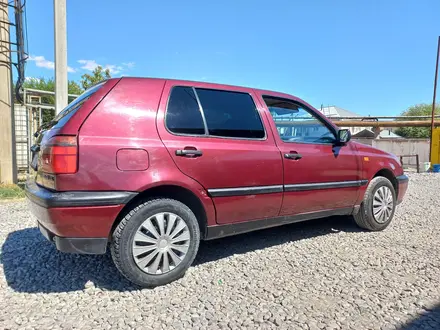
(73, 106)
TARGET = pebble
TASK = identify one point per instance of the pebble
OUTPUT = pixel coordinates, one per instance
(323, 274)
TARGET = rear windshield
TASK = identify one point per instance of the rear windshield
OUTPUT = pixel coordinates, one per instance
(64, 116)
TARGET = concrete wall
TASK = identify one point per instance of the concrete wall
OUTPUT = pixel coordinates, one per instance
(401, 147)
(367, 141)
(406, 147)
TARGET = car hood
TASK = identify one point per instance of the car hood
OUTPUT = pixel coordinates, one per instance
(373, 150)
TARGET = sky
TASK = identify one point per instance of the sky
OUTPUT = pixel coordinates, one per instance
(370, 57)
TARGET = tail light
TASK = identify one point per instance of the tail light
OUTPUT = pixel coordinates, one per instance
(60, 155)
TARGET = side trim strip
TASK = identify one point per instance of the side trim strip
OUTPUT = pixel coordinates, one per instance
(213, 232)
(324, 185)
(402, 178)
(242, 191)
(225, 192)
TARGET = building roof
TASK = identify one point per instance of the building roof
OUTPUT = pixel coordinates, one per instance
(387, 134)
(365, 133)
(334, 111)
(384, 134)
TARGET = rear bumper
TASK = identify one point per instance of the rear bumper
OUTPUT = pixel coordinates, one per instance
(79, 221)
(81, 245)
(47, 198)
(402, 181)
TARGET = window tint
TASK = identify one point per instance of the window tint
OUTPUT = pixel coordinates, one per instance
(230, 114)
(183, 115)
(296, 124)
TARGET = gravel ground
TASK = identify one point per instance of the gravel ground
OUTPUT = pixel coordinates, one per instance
(323, 274)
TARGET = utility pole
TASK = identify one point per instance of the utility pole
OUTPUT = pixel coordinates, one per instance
(6, 168)
(60, 45)
(434, 100)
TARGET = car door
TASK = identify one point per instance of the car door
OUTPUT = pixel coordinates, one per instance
(218, 138)
(319, 175)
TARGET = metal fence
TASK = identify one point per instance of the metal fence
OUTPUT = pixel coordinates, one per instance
(28, 118)
(21, 138)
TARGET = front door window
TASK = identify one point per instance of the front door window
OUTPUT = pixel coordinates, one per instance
(294, 123)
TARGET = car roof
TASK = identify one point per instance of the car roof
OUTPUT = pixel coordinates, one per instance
(204, 84)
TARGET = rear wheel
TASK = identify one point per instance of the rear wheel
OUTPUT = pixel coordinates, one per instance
(156, 242)
(378, 206)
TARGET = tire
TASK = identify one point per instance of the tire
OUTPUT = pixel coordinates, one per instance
(366, 218)
(124, 247)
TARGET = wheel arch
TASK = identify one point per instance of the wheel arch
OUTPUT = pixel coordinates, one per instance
(179, 193)
(387, 173)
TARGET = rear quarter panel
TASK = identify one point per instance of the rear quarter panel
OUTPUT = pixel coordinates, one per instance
(126, 119)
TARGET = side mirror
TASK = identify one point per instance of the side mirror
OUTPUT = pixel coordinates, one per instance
(344, 135)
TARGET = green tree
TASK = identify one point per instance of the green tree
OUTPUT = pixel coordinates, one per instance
(417, 110)
(42, 84)
(99, 74)
(48, 84)
(74, 88)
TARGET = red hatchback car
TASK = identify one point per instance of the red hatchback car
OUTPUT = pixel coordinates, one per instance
(152, 166)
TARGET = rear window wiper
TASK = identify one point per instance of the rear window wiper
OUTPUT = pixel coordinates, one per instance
(44, 126)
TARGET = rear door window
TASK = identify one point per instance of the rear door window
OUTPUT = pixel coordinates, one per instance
(183, 114)
(230, 114)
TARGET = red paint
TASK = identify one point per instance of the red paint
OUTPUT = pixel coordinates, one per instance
(77, 221)
(378, 160)
(228, 163)
(319, 164)
(132, 159)
(123, 145)
(245, 208)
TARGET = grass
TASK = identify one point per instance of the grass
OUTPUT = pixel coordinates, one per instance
(11, 191)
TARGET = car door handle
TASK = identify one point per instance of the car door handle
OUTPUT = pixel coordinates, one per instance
(189, 153)
(293, 155)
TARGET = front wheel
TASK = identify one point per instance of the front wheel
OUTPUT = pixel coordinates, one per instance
(156, 242)
(378, 206)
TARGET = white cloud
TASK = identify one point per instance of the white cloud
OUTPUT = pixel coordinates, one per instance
(129, 65)
(32, 79)
(88, 64)
(114, 69)
(91, 65)
(41, 62)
